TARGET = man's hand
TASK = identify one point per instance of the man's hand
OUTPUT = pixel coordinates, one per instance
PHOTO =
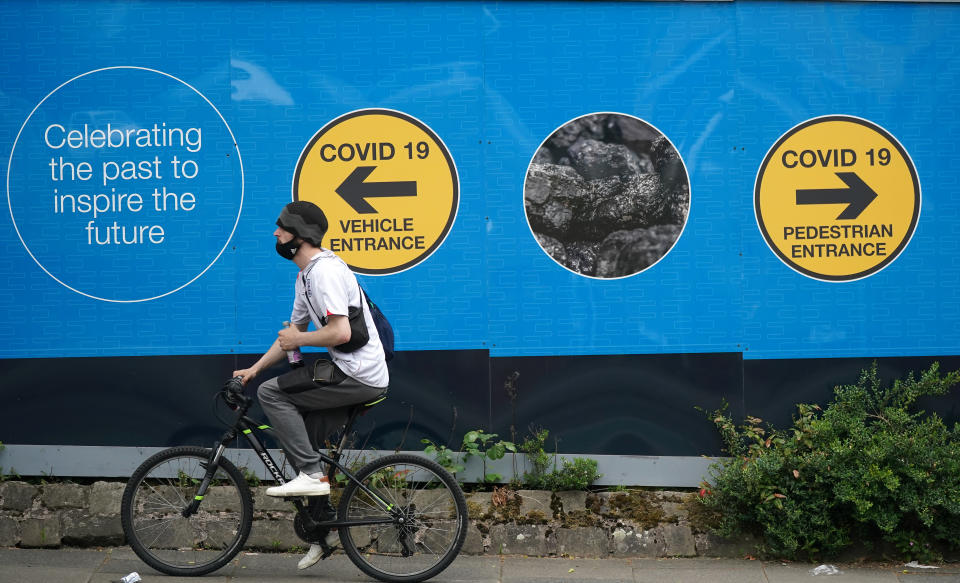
(246, 373)
(289, 338)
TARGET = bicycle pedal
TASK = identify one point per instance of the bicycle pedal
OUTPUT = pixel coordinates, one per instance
(327, 552)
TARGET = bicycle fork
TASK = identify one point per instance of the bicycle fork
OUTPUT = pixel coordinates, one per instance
(210, 468)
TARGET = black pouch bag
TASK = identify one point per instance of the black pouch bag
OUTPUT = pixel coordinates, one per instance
(358, 331)
(322, 373)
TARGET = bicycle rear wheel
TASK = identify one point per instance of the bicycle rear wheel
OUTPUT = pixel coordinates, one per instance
(432, 507)
(152, 512)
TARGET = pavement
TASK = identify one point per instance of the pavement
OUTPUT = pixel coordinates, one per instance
(110, 564)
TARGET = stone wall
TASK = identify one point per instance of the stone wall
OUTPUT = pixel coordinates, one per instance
(525, 522)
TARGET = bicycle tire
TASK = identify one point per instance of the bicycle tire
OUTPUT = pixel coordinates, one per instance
(161, 536)
(435, 519)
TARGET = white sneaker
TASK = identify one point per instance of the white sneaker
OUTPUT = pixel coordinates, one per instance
(310, 559)
(302, 485)
(316, 551)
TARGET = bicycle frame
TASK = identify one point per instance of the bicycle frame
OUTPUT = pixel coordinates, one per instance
(246, 426)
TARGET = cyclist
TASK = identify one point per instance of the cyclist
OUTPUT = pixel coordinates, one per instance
(304, 409)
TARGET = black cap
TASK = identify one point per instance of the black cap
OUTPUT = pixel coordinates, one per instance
(305, 220)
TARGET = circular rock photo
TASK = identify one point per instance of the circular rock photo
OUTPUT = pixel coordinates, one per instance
(606, 195)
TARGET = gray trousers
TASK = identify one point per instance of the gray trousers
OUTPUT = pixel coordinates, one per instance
(305, 417)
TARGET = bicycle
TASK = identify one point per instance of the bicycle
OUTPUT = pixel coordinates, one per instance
(187, 511)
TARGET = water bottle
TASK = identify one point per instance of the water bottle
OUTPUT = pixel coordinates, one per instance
(131, 578)
(293, 356)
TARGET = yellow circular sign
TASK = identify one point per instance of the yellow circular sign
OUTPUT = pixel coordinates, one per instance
(837, 198)
(387, 184)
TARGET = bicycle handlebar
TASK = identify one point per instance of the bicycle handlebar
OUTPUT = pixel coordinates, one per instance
(232, 393)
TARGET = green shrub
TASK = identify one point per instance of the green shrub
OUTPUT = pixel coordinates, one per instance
(447, 458)
(868, 468)
(476, 443)
(576, 474)
(533, 447)
(482, 445)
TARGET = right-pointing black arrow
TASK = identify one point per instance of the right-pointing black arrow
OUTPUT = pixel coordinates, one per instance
(857, 196)
(354, 190)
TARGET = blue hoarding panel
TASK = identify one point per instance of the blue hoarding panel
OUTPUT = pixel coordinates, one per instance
(590, 178)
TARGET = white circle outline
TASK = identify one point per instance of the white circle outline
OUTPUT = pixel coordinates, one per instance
(13, 149)
(808, 122)
(456, 172)
(686, 219)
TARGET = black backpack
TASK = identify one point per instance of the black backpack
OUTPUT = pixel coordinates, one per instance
(384, 329)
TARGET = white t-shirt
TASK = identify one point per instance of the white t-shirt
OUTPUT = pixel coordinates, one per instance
(332, 288)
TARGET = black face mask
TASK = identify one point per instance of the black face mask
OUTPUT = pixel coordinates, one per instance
(289, 249)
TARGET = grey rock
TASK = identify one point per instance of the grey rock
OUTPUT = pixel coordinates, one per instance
(473, 545)
(711, 545)
(17, 496)
(631, 542)
(40, 532)
(82, 529)
(222, 498)
(587, 127)
(556, 217)
(673, 511)
(632, 130)
(220, 534)
(671, 502)
(581, 256)
(599, 502)
(543, 156)
(538, 500)
(436, 502)
(618, 204)
(266, 503)
(576, 211)
(274, 535)
(667, 161)
(676, 205)
(582, 542)
(553, 248)
(57, 496)
(646, 163)
(105, 497)
(553, 197)
(594, 159)
(545, 181)
(670, 495)
(481, 499)
(511, 539)
(571, 500)
(678, 541)
(9, 531)
(627, 252)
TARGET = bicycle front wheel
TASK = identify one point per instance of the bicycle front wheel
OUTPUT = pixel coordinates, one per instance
(152, 512)
(420, 515)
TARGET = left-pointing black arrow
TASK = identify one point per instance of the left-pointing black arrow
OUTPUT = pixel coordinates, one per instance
(857, 196)
(355, 191)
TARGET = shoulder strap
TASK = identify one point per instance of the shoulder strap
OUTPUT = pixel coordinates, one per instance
(306, 295)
